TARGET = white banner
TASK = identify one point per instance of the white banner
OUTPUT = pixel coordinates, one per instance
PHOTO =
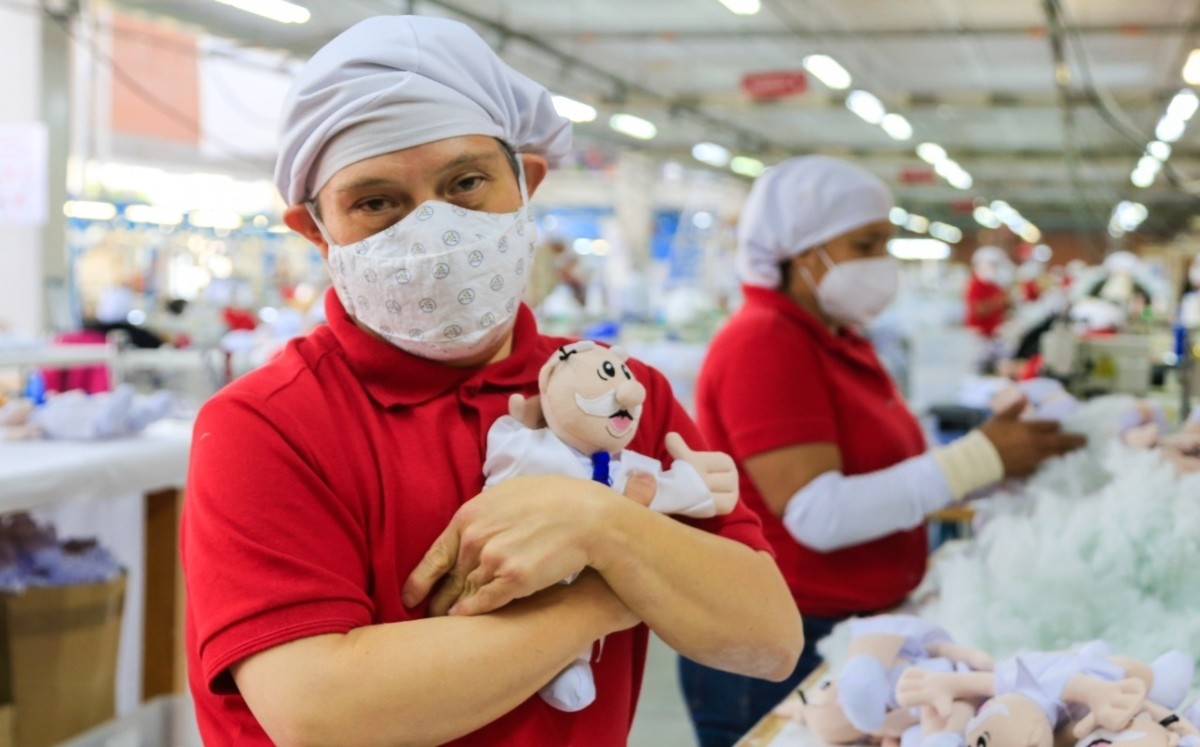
(23, 168)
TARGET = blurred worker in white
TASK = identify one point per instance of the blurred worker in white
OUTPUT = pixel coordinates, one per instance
(347, 580)
(829, 455)
(986, 298)
(1189, 299)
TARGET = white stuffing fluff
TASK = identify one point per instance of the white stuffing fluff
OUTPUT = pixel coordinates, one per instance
(1106, 544)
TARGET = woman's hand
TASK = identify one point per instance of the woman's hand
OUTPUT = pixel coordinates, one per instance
(1024, 444)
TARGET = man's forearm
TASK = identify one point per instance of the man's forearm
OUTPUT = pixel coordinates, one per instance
(425, 681)
(713, 600)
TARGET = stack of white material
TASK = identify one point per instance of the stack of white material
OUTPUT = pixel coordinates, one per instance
(1106, 544)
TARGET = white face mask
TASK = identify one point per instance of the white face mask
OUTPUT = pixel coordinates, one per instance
(856, 291)
(444, 283)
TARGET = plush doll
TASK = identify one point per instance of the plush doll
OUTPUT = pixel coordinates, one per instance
(1046, 399)
(859, 704)
(591, 405)
(1154, 726)
(1035, 693)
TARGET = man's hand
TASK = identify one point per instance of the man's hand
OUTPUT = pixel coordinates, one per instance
(1024, 444)
(512, 540)
(716, 468)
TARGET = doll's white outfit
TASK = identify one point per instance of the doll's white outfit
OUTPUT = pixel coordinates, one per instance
(514, 449)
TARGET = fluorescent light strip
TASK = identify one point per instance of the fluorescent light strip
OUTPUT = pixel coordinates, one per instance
(866, 105)
(743, 7)
(747, 166)
(711, 154)
(916, 249)
(153, 214)
(576, 111)
(896, 127)
(89, 210)
(636, 127)
(827, 70)
(276, 10)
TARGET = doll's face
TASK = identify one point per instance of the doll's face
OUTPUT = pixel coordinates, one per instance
(825, 717)
(1009, 721)
(1143, 731)
(592, 402)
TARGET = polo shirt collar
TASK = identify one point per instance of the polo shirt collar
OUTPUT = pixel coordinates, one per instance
(781, 303)
(394, 377)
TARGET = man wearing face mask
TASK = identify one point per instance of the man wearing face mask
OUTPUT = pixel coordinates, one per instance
(347, 580)
(828, 454)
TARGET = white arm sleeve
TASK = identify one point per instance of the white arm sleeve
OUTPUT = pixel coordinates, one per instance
(834, 511)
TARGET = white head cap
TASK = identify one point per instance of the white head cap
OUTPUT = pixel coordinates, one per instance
(394, 82)
(1123, 262)
(799, 204)
(989, 254)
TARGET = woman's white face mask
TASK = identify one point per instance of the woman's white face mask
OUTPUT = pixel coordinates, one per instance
(856, 291)
(443, 283)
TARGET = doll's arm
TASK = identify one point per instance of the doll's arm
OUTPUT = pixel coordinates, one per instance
(978, 660)
(921, 687)
(527, 410)
(716, 469)
(1111, 704)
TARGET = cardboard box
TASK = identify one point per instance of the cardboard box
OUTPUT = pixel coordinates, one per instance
(58, 659)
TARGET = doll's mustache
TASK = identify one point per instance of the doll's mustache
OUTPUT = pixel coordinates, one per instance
(605, 406)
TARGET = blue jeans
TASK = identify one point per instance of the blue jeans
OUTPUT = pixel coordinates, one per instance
(724, 706)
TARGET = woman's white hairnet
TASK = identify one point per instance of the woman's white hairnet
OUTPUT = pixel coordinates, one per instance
(394, 82)
(990, 253)
(799, 204)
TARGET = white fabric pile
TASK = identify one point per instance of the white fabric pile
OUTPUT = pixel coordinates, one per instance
(1103, 543)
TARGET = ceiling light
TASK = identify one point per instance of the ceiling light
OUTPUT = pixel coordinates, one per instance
(1158, 149)
(866, 105)
(898, 216)
(1030, 233)
(931, 153)
(1183, 105)
(153, 214)
(985, 217)
(576, 111)
(960, 179)
(1042, 253)
(743, 7)
(827, 70)
(216, 219)
(1169, 129)
(712, 154)
(1142, 178)
(930, 249)
(276, 10)
(1129, 215)
(89, 210)
(946, 232)
(896, 126)
(627, 124)
(917, 224)
(747, 166)
(1191, 68)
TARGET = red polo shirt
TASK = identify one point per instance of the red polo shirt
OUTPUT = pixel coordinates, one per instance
(319, 481)
(775, 377)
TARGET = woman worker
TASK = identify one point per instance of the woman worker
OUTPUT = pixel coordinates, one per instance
(828, 453)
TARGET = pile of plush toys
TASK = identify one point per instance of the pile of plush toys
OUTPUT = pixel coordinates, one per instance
(905, 683)
(31, 554)
(77, 416)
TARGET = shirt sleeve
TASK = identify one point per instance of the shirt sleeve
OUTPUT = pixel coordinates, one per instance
(270, 553)
(668, 416)
(770, 401)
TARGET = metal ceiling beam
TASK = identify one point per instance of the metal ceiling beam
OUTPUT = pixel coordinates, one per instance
(776, 34)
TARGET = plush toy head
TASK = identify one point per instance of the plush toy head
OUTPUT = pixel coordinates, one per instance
(589, 397)
(823, 714)
(1011, 720)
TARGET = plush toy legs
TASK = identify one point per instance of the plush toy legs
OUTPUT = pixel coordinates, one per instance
(574, 688)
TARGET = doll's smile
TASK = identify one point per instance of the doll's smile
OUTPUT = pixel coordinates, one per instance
(619, 423)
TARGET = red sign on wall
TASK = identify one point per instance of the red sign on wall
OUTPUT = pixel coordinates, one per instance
(775, 84)
(917, 176)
